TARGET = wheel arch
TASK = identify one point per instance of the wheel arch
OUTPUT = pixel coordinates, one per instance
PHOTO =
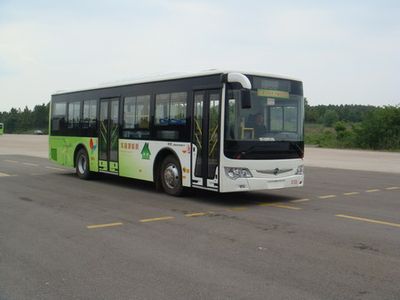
(77, 149)
(161, 155)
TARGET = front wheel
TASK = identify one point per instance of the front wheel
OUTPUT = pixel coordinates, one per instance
(171, 176)
(82, 165)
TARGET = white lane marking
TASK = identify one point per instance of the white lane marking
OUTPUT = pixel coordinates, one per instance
(372, 190)
(300, 200)
(30, 164)
(53, 168)
(198, 214)
(351, 193)
(11, 161)
(4, 174)
(393, 188)
(327, 196)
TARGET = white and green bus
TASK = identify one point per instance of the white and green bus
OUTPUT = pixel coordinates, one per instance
(1, 128)
(217, 130)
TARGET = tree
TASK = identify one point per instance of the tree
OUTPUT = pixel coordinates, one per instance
(340, 128)
(380, 129)
(11, 121)
(330, 117)
(40, 116)
(18, 121)
(25, 120)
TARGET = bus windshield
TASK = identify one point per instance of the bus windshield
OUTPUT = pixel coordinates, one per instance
(272, 128)
(276, 113)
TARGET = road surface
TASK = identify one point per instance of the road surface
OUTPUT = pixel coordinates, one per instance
(115, 238)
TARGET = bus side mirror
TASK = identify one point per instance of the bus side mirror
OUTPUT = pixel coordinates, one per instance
(246, 98)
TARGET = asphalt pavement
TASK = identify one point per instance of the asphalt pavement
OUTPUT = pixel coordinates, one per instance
(115, 238)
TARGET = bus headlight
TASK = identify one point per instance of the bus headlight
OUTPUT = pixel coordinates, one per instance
(300, 170)
(235, 173)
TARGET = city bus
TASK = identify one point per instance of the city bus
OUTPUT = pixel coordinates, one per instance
(221, 131)
(1, 128)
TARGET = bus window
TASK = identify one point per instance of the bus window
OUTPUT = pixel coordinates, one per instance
(89, 114)
(171, 109)
(129, 112)
(136, 117)
(178, 108)
(142, 112)
(162, 109)
(59, 113)
(74, 114)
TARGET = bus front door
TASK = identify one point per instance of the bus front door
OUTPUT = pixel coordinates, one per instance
(205, 154)
(108, 135)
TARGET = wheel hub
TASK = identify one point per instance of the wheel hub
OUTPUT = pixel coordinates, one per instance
(171, 176)
(82, 164)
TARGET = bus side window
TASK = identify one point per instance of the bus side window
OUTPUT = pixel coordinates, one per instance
(142, 112)
(177, 114)
(89, 121)
(136, 117)
(170, 115)
(171, 109)
(162, 109)
(89, 113)
(59, 114)
(74, 114)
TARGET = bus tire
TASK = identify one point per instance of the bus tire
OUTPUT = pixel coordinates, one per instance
(82, 164)
(171, 176)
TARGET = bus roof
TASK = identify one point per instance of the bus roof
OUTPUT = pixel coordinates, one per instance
(170, 76)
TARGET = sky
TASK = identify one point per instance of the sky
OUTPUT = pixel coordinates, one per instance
(345, 52)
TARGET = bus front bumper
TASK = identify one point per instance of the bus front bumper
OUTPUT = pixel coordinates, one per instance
(253, 184)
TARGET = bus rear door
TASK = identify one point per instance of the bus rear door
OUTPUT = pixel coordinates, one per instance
(109, 135)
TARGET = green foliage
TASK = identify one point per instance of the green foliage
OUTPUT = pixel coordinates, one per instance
(330, 117)
(347, 113)
(340, 127)
(20, 121)
(380, 129)
(319, 135)
(353, 126)
(341, 136)
(345, 135)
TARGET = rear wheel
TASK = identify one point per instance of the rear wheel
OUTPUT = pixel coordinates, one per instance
(171, 176)
(82, 165)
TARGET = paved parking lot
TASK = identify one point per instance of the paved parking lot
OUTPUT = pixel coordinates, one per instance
(116, 238)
